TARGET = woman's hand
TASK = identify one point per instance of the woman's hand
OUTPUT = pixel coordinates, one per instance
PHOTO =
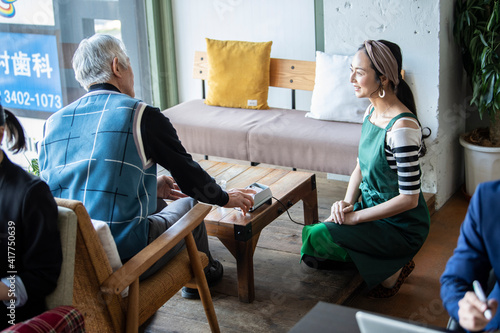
(241, 198)
(167, 188)
(471, 312)
(340, 213)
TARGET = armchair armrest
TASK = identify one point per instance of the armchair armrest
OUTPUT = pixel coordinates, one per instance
(133, 268)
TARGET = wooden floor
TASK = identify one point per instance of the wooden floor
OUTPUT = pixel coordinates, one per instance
(287, 289)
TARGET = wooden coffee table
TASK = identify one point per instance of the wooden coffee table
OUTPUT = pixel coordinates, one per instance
(240, 233)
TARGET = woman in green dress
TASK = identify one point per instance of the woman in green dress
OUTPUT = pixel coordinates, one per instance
(383, 220)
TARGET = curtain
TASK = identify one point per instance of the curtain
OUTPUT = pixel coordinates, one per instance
(160, 28)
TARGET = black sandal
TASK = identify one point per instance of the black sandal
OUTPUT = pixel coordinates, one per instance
(381, 292)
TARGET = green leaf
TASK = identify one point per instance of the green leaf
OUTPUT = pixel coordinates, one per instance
(477, 31)
(490, 89)
(493, 21)
(33, 167)
(482, 39)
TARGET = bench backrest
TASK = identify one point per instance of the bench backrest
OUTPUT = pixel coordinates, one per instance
(284, 73)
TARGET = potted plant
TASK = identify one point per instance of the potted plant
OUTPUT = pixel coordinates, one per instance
(33, 166)
(477, 32)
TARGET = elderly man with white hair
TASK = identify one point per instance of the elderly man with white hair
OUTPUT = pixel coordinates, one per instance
(103, 149)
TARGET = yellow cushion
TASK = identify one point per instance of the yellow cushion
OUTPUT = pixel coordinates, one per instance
(238, 73)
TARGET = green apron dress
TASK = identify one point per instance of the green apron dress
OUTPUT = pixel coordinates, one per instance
(377, 248)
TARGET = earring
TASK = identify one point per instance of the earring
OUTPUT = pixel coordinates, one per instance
(381, 95)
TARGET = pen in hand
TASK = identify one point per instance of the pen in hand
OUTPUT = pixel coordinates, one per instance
(480, 295)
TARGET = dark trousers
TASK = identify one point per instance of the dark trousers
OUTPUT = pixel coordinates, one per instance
(164, 219)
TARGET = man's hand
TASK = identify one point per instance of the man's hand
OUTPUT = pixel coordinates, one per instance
(167, 189)
(339, 213)
(471, 312)
(240, 198)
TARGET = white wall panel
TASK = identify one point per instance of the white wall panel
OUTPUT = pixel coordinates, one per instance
(288, 23)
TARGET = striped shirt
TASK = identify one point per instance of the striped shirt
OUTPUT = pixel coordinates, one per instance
(402, 148)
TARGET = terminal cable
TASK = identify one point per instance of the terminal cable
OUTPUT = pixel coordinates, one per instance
(286, 210)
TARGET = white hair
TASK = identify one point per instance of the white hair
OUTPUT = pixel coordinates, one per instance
(93, 58)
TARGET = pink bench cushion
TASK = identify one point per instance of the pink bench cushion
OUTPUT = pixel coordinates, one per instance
(214, 130)
(290, 139)
(275, 136)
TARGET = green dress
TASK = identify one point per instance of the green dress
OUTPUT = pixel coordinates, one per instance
(378, 248)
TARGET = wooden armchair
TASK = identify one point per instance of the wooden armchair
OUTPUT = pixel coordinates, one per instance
(97, 288)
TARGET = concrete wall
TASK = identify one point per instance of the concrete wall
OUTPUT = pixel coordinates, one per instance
(453, 110)
(422, 29)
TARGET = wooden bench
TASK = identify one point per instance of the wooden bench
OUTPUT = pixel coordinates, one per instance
(277, 136)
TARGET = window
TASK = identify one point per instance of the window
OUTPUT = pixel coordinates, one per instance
(38, 39)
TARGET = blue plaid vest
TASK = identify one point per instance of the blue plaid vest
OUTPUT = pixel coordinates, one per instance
(92, 151)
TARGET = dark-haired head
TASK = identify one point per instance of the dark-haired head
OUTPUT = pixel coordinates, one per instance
(386, 59)
(13, 130)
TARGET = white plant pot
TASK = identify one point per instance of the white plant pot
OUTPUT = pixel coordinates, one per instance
(482, 164)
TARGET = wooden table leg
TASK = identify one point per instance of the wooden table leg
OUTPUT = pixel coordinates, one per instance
(244, 265)
(243, 252)
(311, 207)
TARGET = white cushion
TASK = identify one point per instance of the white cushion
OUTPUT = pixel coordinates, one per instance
(63, 294)
(109, 245)
(333, 95)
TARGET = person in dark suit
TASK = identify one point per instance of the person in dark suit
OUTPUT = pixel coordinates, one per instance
(476, 255)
